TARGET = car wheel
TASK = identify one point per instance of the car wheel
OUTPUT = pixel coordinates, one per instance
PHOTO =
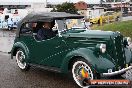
(78, 75)
(20, 59)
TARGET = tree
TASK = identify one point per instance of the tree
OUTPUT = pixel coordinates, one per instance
(65, 7)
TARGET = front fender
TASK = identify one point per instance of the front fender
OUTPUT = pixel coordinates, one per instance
(99, 63)
(18, 45)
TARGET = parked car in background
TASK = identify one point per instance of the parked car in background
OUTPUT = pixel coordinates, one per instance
(12, 22)
(74, 50)
(106, 17)
(9, 21)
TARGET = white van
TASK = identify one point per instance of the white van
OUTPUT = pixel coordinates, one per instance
(9, 21)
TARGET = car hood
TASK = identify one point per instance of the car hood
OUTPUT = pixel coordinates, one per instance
(90, 33)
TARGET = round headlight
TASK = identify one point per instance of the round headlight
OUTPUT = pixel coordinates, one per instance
(129, 40)
(103, 48)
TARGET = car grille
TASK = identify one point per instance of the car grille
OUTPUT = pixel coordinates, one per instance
(119, 49)
(116, 51)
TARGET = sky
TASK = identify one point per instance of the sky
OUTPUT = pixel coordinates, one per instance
(60, 1)
(23, 0)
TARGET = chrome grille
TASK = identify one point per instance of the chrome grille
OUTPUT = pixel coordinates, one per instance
(119, 50)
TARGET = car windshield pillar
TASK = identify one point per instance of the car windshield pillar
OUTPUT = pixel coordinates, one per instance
(61, 25)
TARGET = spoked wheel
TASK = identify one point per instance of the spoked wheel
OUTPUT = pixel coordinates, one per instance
(81, 71)
(20, 59)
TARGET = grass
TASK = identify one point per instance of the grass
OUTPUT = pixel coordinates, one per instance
(124, 27)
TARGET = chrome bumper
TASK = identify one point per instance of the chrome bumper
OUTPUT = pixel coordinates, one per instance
(117, 72)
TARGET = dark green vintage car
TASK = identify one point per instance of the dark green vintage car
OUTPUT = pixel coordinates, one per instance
(91, 54)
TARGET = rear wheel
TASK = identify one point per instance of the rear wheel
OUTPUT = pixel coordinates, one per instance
(81, 71)
(20, 59)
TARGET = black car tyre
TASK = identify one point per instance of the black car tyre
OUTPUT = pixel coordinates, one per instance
(78, 65)
(20, 59)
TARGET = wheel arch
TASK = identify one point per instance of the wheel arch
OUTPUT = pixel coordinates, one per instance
(18, 45)
(72, 56)
(98, 64)
(72, 60)
(15, 50)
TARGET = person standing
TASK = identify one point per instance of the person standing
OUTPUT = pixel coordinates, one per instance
(10, 23)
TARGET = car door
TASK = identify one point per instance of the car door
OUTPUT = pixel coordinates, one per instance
(48, 52)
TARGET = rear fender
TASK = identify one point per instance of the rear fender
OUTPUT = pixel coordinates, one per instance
(18, 45)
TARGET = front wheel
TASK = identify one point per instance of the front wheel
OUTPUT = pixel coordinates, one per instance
(20, 59)
(81, 71)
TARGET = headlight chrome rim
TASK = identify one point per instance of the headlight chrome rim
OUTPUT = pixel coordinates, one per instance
(103, 48)
(129, 40)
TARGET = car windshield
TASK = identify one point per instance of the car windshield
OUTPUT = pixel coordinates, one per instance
(67, 24)
(75, 23)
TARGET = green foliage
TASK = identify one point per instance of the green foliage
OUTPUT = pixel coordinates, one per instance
(124, 27)
(65, 7)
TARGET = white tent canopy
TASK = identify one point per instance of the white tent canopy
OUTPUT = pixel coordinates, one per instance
(21, 2)
(74, 1)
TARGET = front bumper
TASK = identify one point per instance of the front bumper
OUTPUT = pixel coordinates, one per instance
(116, 72)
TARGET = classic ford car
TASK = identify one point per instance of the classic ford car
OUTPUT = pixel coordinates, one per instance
(91, 54)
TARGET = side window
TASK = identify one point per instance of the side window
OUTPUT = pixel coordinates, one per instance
(45, 30)
(26, 28)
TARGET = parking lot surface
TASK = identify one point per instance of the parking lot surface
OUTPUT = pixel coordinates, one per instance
(12, 77)
(6, 40)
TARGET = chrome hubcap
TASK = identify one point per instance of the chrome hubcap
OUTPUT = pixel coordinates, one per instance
(20, 57)
(80, 71)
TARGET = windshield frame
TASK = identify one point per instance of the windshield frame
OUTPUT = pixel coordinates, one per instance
(62, 25)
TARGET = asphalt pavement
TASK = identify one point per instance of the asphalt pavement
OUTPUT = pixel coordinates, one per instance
(6, 40)
(127, 18)
(12, 77)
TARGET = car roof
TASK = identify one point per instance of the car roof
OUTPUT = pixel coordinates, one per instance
(49, 16)
(46, 17)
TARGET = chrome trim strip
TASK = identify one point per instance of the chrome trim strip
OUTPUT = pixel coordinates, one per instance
(117, 72)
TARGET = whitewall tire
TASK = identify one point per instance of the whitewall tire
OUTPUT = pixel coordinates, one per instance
(20, 59)
(76, 72)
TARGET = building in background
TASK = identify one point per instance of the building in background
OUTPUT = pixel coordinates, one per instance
(116, 6)
(131, 5)
(23, 7)
(81, 5)
(94, 12)
(88, 10)
(21, 4)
